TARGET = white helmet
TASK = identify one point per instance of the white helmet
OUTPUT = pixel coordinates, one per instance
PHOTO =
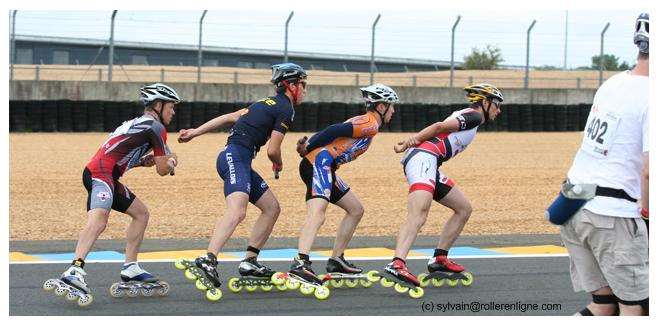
(641, 37)
(158, 91)
(379, 93)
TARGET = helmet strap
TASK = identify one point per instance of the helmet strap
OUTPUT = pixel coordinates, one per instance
(382, 116)
(484, 111)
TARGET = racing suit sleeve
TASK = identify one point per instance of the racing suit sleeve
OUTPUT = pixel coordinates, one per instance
(329, 134)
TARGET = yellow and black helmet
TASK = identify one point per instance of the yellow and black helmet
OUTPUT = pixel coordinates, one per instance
(483, 91)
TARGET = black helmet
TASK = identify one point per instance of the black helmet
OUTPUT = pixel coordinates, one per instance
(641, 37)
(287, 72)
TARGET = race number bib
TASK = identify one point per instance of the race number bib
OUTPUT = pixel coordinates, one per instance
(600, 132)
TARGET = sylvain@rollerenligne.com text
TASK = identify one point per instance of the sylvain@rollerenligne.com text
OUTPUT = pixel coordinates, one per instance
(476, 307)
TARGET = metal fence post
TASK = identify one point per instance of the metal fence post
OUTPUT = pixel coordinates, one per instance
(286, 38)
(373, 44)
(414, 81)
(579, 81)
(111, 55)
(199, 48)
(602, 59)
(100, 74)
(357, 80)
(470, 80)
(162, 75)
(451, 71)
(529, 30)
(12, 58)
(235, 77)
(36, 73)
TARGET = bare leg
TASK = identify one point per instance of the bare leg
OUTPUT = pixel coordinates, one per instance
(135, 230)
(270, 211)
(97, 220)
(454, 225)
(419, 203)
(354, 211)
(225, 226)
(315, 218)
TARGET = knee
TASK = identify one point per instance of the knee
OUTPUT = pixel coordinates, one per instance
(142, 215)
(238, 216)
(419, 219)
(274, 210)
(318, 217)
(356, 212)
(98, 226)
(464, 212)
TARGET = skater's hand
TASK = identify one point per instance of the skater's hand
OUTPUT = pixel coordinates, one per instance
(276, 170)
(301, 146)
(402, 146)
(185, 135)
(147, 161)
(171, 164)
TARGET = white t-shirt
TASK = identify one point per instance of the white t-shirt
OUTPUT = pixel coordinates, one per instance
(615, 137)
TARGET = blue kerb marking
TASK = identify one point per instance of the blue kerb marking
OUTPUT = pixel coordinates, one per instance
(460, 251)
(94, 256)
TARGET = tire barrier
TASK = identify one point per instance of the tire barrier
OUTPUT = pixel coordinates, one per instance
(105, 116)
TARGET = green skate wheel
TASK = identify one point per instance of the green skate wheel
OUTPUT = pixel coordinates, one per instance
(278, 278)
(213, 294)
(438, 282)
(352, 283)
(386, 282)
(189, 275)
(251, 288)
(336, 283)
(115, 291)
(200, 285)
(60, 291)
(281, 287)
(452, 282)
(400, 288)
(306, 289)
(422, 279)
(373, 276)
(164, 289)
(293, 285)
(49, 285)
(469, 279)
(366, 283)
(418, 292)
(179, 264)
(233, 285)
(322, 293)
(85, 300)
(70, 296)
(266, 287)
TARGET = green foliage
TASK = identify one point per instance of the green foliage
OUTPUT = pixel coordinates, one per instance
(610, 63)
(487, 59)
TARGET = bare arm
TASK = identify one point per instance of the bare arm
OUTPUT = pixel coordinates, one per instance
(165, 164)
(274, 147)
(645, 182)
(185, 135)
(427, 133)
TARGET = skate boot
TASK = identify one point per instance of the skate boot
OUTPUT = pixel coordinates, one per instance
(442, 270)
(343, 273)
(396, 274)
(71, 284)
(301, 276)
(253, 276)
(135, 280)
(203, 271)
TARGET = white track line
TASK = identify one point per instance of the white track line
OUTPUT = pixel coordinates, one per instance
(498, 256)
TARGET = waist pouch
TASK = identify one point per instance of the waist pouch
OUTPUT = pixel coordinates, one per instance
(570, 200)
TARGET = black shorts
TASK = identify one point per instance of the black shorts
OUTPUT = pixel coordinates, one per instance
(331, 191)
(106, 192)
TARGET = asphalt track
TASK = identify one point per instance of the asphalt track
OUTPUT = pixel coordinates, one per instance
(498, 282)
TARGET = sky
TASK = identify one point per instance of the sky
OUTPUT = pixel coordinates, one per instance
(419, 34)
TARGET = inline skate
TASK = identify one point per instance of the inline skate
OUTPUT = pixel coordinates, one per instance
(71, 284)
(396, 274)
(253, 276)
(341, 273)
(135, 280)
(442, 270)
(302, 277)
(203, 271)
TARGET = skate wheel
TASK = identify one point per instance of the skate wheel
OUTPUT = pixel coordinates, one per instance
(452, 282)
(336, 283)
(352, 283)
(148, 292)
(164, 288)
(293, 285)
(189, 275)
(386, 282)
(322, 293)
(281, 287)
(179, 264)
(85, 300)
(213, 294)
(422, 279)
(400, 289)
(60, 291)
(373, 276)
(200, 285)
(115, 291)
(278, 278)
(438, 282)
(418, 292)
(469, 279)
(306, 289)
(133, 292)
(50, 284)
(251, 288)
(233, 285)
(266, 287)
(71, 296)
(366, 283)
